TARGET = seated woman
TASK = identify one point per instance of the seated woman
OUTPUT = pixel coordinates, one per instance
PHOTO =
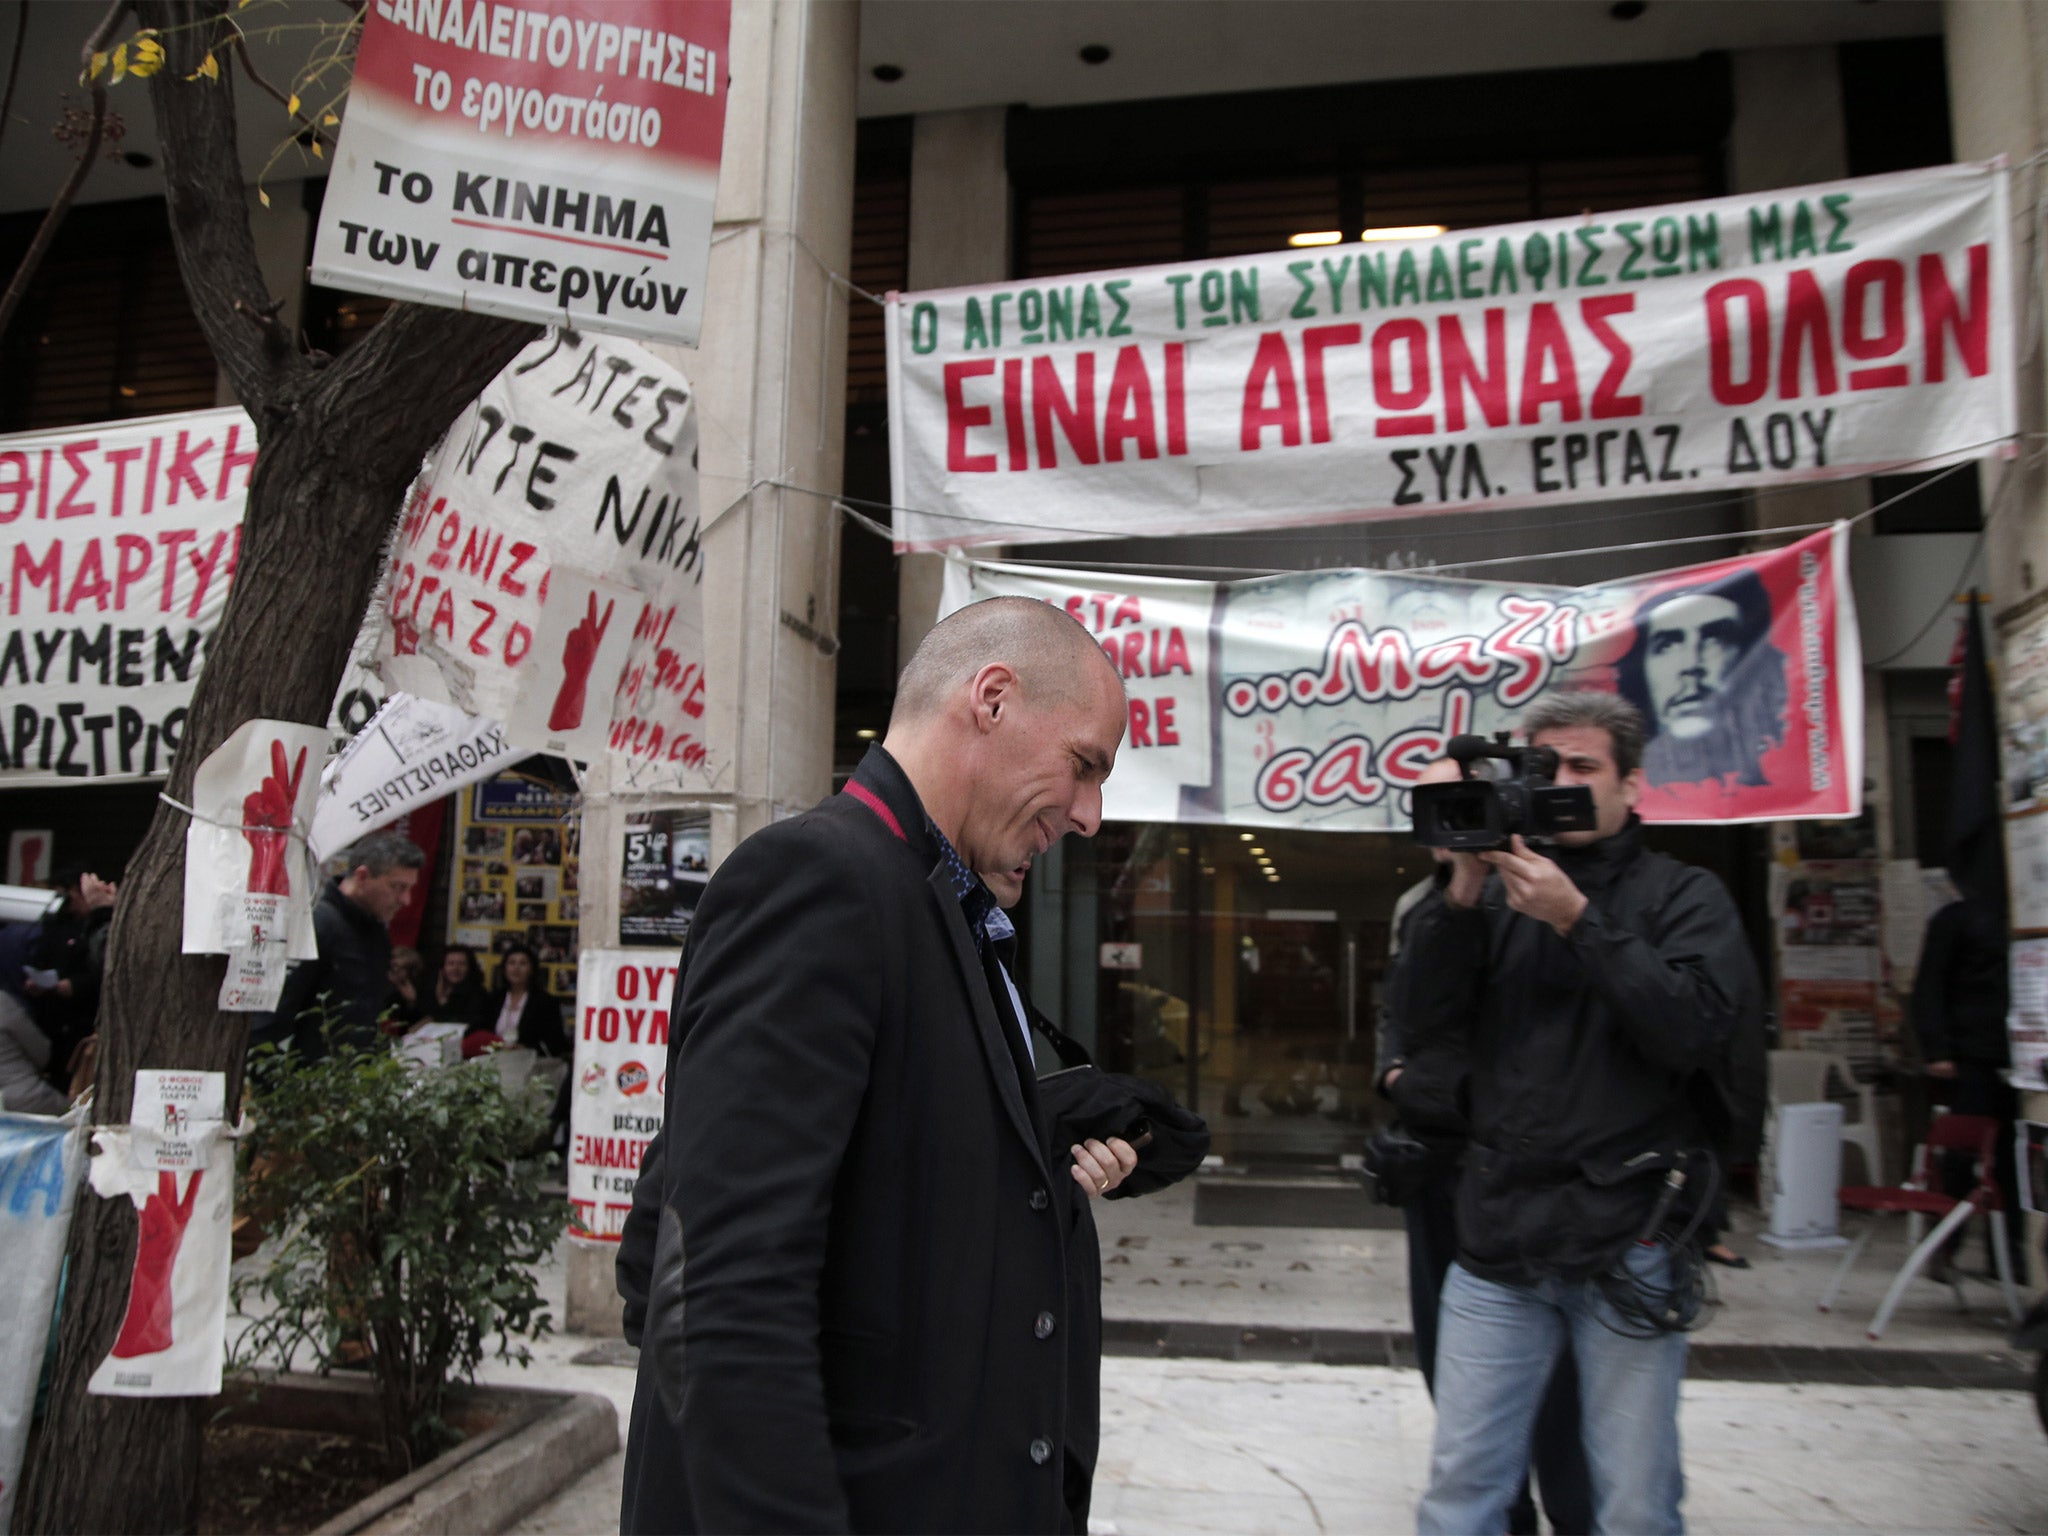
(458, 995)
(519, 1013)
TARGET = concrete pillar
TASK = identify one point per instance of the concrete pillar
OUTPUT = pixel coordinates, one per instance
(959, 234)
(1998, 87)
(770, 380)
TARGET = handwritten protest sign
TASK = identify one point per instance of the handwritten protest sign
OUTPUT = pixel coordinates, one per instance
(554, 160)
(1805, 334)
(574, 466)
(1315, 700)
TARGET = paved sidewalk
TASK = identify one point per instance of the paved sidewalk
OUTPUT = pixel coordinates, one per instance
(1195, 1445)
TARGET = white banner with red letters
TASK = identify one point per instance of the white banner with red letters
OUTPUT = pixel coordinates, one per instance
(548, 568)
(550, 160)
(621, 1081)
(117, 546)
(1315, 700)
(1804, 334)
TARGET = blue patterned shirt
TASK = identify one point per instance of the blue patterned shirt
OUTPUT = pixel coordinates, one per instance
(989, 923)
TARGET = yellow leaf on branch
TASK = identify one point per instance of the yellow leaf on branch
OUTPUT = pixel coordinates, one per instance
(292, 106)
(147, 55)
(209, 69)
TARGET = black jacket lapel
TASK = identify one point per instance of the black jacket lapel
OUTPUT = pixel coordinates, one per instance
(1001, 1064)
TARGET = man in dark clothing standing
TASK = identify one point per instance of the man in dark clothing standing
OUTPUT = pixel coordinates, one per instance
(1960, 998)
(1424, 1073)
(1596, 993)
(351, 925)
(861, 1292)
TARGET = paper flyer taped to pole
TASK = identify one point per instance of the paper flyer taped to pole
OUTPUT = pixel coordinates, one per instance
(249, 885)
(42, 1161)
(1808, 333)
(175, 1161)
(1314, 700)
(412, 752)
(547, 571)
(621, 1078)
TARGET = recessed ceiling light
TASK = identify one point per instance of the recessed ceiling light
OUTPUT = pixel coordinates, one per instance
(1244, 837)
(888, 74)
(1404, 232)
(1318, 237)
(867, 735)
(1627, 10)
(1095, 53)
(137, 159)
(1258, 852)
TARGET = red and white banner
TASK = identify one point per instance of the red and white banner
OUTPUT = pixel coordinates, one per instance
(621, 1082)
(1315, 700)
(1804, 334)
(117, 546)
(548, 568)
(551, 160)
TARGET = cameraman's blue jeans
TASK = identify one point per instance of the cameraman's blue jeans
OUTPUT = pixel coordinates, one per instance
(1495, 1349)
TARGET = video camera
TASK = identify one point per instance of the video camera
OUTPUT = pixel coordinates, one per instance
(1482, 812)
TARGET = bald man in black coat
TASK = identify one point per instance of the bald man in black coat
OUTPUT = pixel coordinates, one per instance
(861, 1275)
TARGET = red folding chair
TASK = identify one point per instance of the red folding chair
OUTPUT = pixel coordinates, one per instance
(1920, 1197)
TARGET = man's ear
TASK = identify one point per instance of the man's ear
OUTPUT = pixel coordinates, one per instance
(993, 689)
(1632, 787)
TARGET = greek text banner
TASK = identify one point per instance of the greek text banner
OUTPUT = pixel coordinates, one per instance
(1316, 700)
(1806, 334)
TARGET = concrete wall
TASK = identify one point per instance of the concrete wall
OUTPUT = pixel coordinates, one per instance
(959, 234)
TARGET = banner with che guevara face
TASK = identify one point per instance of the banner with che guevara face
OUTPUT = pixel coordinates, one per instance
(1314, 700)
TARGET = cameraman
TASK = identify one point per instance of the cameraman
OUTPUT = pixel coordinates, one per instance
(1594, 996)
(1415, 1166)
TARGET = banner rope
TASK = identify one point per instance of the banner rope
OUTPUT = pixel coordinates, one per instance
(297, 829)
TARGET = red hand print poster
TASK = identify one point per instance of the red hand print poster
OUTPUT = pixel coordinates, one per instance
(175, 1163)
(549, 564)
(249, 886)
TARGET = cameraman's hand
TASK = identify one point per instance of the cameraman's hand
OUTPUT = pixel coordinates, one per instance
(1468, 879)
(1536, 887)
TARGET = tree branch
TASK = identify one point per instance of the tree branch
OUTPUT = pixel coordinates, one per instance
(195, 121)
(46, 232)
(263, 85)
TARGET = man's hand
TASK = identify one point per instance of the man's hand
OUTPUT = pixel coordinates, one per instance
(1468, 879)
(1100, 1166)
(1536, 887)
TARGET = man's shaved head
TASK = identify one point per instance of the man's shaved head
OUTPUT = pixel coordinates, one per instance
(1007, 721)
(1049, 650)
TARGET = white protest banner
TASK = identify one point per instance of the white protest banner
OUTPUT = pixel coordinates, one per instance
(174, 1332)
(621, 1077)
(575, 464)
(412, 751)
(1804, 334)
(120, 543)
(41, 1161)
(1315, 700)
(553, 160)
(248, 883)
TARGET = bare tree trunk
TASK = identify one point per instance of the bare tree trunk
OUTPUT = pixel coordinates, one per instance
(339, 445)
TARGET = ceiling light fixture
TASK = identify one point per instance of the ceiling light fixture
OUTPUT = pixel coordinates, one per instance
(1257, 853)
(867, 735)
(1244, 837)
(1404, 232)
(1095, 53)
(1318, 237)
(1627, 10)
(888, 74)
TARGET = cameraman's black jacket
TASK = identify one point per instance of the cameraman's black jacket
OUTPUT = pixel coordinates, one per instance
(1594, 1059)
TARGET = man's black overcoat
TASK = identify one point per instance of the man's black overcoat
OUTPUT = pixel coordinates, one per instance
(860, 1306)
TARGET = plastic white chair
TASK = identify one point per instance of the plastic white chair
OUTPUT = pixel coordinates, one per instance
(1802, 1077)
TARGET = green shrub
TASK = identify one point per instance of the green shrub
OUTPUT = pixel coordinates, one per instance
(407, 1215)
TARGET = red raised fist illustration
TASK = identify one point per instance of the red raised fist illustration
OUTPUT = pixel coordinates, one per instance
(146, 1330)
(579, 651)
(267, 818)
